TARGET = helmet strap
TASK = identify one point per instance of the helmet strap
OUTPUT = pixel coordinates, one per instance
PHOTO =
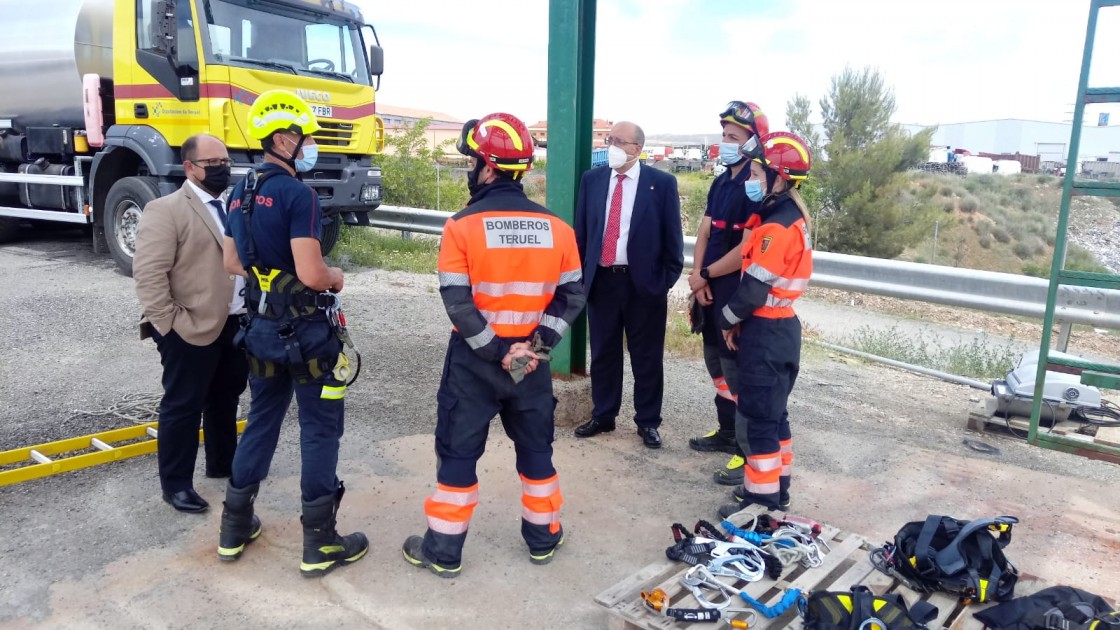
(290, 161)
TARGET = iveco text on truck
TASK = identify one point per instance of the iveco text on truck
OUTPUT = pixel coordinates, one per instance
(97, 96)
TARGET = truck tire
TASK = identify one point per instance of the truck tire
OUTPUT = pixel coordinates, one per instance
(329, 236)
(9, 229)
(123, 207)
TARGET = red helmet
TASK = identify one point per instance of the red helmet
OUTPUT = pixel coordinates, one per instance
(746, 115)
(782, 152)
(500, 140)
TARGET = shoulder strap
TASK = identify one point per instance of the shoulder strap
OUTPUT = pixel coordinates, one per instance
(254, 179)
(951, 559)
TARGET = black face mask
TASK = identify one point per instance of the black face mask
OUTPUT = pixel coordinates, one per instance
(216, 180)
(472, 178)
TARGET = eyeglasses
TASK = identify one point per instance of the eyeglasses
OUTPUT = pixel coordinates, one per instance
(617, 142)
(740, 112)
(213, 162)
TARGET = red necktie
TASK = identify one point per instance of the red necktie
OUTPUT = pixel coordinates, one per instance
(614, 222)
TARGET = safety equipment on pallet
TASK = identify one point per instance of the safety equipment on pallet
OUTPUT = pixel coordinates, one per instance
(860, 609)
(1054, 608)
(790, 540)
(740, 559)
(279, 295)
(959, 557)
(658, 601)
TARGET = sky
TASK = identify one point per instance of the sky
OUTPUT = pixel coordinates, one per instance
(672, 65)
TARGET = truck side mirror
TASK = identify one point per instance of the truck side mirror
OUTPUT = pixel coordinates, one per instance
(376, 60)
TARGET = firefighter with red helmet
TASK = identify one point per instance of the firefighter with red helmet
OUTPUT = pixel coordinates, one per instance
(759, 319)
(511, 282)
(715, 275)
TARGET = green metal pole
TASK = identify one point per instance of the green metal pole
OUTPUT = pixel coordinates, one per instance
(1061, 235)
(571, 88)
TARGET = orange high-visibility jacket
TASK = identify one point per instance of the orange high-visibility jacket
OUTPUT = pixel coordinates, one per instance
(777, 263)
(508, 268)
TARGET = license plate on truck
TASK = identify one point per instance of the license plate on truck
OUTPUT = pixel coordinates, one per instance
(323, 111)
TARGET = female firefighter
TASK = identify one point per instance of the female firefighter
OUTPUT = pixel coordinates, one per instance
(759, 318)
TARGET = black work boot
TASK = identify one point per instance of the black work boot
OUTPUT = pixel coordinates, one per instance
(718, 440)
(413, 551)
(239, 525)
(545, 556)
(323, 547)
(739, 494)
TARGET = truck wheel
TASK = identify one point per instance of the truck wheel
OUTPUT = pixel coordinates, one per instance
(123, 207)
(9, 229)
(330, 234)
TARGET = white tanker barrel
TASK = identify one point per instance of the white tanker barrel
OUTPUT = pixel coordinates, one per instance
(46, 48)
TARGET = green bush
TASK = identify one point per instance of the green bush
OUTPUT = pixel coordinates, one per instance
(1001, 235)
(969, 204)
(1023, 250)
(979, 358)
(986, 242)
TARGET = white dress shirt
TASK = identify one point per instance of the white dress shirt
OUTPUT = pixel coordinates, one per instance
(237, 304)
(629, 192)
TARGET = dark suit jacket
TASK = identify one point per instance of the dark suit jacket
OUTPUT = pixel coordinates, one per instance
(655, 246)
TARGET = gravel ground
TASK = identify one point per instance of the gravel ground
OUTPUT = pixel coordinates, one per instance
(67, 323)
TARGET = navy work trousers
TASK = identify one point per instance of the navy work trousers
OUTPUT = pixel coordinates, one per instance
(471, 392)
(321, 407)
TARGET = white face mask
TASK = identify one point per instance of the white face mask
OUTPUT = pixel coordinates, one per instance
(616, 157)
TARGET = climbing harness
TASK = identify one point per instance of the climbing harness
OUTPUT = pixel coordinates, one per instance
(279, 295)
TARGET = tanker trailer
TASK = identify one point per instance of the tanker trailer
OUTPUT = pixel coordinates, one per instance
(99, 95)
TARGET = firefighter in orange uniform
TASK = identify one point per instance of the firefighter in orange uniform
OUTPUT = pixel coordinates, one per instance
(509, 275)
(759, 319)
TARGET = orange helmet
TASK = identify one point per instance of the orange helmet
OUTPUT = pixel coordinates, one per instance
(746, 115)
(500, 140)
(783, 152)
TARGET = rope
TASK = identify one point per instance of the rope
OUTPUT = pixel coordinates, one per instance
(134, 408)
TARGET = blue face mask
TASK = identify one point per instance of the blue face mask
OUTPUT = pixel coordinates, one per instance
(754, 190)
(310, 156)
(729, 153)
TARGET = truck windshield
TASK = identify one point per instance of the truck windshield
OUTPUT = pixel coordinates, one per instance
(265, 35)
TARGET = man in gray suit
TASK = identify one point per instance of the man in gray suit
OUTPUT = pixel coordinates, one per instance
(191, 307)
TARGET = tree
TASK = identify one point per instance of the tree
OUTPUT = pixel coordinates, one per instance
(408, 172)
(862, 203)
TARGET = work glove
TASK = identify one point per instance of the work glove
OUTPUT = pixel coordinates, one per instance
(517, 366)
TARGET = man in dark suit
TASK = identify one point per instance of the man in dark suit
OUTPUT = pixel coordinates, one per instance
(628, 228)
(191, 306)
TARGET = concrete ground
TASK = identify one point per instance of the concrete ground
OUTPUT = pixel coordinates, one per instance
(97, 548)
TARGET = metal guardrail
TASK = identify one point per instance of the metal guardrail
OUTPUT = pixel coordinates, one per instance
(988, 291)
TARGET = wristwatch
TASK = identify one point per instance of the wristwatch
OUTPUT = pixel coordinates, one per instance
(704, 273)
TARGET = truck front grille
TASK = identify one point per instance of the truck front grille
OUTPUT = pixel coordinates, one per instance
(335, 134)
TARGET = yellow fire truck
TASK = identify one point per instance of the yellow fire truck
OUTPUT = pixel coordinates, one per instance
(97, 96)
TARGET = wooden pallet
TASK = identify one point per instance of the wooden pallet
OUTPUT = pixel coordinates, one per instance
(848, 564)
(983, 417)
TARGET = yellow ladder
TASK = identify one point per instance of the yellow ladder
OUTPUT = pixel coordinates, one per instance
(53, 458)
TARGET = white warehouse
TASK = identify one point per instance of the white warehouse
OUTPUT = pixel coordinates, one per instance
(1048, 140)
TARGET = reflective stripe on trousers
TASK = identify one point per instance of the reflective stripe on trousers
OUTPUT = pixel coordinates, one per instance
(449, 509)
(762, 472)
(722, 389)
(787, 456)
(541, 502)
